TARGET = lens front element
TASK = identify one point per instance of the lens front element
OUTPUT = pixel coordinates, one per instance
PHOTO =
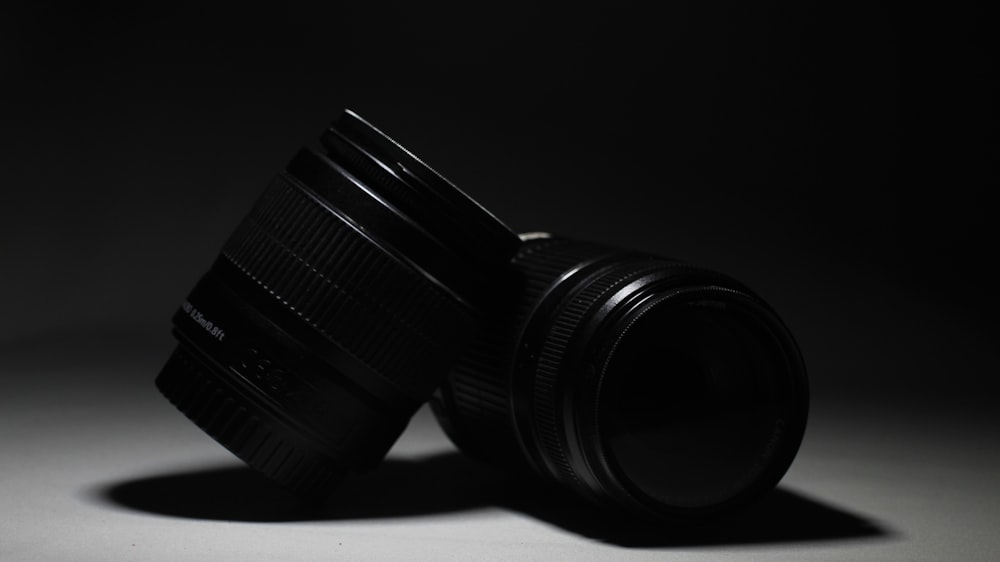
(691, 401)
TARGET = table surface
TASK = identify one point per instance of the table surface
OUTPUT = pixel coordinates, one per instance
(96, 465)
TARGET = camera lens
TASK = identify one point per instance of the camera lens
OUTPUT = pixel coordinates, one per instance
(639, 382)
(335, 309)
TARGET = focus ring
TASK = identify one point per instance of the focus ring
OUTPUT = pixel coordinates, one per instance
(320, 267)
(325, 243)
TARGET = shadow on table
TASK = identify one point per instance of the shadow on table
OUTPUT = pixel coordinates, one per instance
(450, 482)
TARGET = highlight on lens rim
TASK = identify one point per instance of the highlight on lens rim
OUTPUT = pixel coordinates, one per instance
(641, 383)
(335, 309)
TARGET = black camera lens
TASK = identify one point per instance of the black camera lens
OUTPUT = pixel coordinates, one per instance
(639, 382)
(335, 309)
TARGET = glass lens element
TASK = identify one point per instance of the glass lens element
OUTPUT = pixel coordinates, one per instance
(691, 403)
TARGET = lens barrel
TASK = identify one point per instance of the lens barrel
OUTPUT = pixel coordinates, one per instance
(639, 382)
(335, 309)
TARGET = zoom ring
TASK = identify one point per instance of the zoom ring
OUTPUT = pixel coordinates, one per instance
(476, 399)
(548, 414)
(343, 285)
(478, 382)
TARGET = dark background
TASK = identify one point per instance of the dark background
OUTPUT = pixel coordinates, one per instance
(839, 160)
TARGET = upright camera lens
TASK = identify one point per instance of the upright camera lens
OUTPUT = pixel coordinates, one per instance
(335, 309)
(639, 382)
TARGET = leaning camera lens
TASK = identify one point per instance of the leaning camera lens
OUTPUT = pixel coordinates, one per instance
(335, 309)
(639, 382)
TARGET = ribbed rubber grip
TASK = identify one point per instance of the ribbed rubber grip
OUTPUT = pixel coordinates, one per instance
(378, 309)
(549, 384)
(476, 398)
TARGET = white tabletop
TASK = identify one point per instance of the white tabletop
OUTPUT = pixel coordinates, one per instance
(96, 465)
